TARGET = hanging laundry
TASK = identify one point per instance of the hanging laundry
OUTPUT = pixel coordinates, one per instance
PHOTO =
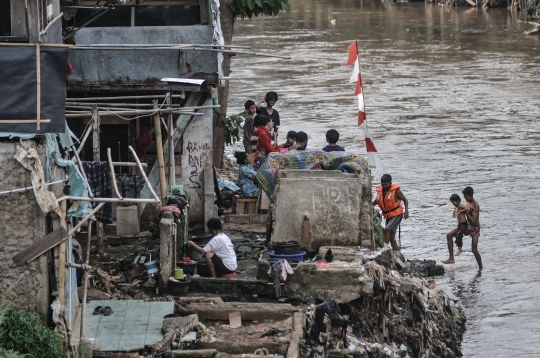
(279, 271)
(99, 179)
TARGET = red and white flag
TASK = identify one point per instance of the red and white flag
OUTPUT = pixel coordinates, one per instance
(374, 160)
(357, 77)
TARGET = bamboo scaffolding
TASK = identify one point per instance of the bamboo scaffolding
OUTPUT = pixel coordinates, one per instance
(121, 97)
(159, 145)
(119, 114)
(143, 173)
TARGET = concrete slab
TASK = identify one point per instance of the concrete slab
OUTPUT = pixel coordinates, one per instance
(133, 325)
(127, 220)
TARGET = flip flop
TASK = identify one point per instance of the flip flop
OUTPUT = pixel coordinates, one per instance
(107, 311)
(98, 310)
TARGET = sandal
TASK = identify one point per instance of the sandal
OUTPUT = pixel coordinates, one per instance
(107, 311)
(98, 310)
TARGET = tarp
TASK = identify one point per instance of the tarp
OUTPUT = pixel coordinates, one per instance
(18, 86)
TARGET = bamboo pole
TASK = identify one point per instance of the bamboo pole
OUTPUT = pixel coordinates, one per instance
(121, 97)
(62, 259)
(110, 200)
(23, 121)
(29, 187)
(128, 164)
(143, 174)
(111, 114)
(170, 133)
(44, 31)
(18, 44)
(85, 137)
(113, 179)
(96, 151)
(159, 145)
(85, 282)
(38, 80)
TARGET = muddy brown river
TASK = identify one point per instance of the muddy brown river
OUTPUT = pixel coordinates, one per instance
(452, 99)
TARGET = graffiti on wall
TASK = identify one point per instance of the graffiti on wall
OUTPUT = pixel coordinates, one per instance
(198, 155)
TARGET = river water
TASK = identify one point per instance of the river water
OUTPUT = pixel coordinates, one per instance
(452, 99)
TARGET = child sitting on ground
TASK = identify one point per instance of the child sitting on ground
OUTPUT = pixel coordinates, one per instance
(289, 142)
(247, 175)
(332, 137)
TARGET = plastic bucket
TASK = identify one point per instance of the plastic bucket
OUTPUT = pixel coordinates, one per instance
(151, 267)
(178, 273)
(180, 288)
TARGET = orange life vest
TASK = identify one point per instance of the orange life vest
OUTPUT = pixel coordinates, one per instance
(389, 203)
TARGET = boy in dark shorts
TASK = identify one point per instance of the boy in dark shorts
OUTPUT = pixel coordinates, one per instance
(457, 232)
(219, 252)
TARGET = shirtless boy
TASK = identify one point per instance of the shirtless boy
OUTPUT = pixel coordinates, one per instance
(457, 232)
(472, 211)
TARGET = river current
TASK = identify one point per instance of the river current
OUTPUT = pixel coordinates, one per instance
(452, 99)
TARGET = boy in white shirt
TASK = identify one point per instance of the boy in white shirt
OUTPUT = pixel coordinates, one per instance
(219, 252)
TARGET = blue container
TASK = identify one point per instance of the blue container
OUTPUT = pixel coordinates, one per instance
(297, 257)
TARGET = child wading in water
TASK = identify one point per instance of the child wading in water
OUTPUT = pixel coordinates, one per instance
(457, 232)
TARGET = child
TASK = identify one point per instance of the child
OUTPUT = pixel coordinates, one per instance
(249, 126)
(289, 142)
(247, 176)
(301, 141)
(457, 232)
(264, 126)
(260, 156)
(332, 137)
(270, 99)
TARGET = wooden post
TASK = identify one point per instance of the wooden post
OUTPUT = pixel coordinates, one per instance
(62, 259)
(159, 145)
(171, 147)
(85, 281)
(96, 148)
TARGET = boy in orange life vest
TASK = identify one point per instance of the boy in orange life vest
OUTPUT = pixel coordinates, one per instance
(389, 199)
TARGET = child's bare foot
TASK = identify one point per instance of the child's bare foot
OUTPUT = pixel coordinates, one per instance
(449, 261)
(459, 251)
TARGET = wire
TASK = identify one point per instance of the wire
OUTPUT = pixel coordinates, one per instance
(144, 115)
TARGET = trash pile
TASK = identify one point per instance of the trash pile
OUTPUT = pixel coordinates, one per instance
(406, 316)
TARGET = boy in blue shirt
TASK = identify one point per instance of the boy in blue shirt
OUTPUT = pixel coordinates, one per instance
(332, 137)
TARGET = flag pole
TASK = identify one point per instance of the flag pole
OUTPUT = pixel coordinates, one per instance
(358, 59)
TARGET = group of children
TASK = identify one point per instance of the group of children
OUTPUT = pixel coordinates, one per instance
(261, 130)
(261, 138)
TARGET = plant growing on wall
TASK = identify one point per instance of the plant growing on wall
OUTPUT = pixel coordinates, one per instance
(248, 8)
(234, 127)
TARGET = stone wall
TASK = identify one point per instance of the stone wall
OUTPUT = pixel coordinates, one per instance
(21, 222)
(337, 205)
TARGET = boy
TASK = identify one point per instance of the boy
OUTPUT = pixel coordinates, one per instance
(458, 231)
(332, 137)
(270, 99)
(260, 156)
(249, 126)
(265, 125)
(389, 198)
(290, 140)
(472, 210)
(301, 141)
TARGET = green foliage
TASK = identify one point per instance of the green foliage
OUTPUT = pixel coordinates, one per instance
(249, 8)
(4, 353)
(234, 128)
(26, 334)
(379, 231)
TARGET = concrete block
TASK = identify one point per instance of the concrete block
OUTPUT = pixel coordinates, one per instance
(127, 220)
